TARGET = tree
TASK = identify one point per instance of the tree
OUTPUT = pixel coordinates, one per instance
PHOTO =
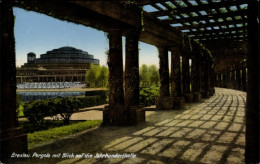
(144, 76)
(153, 75)
(97, 76)
(103, 77)
(90, 78)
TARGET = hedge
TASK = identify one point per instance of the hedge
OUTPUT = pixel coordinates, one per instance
(102, 93)
(36, 111)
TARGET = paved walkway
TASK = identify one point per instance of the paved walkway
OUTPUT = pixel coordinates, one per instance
(212, 131)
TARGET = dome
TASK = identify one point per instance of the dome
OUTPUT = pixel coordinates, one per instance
(31, 54)
(67, 54)
(67, 48)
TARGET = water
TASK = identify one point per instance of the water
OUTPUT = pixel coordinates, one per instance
(30, 96)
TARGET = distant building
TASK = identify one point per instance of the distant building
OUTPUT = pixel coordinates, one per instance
(65, 64)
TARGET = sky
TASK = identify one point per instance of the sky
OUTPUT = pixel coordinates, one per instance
(38, 33)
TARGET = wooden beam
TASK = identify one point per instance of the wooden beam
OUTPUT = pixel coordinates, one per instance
(213, 24)
(148, 2)
(129, 15)
(213, 40)
(72, 13)
(198, 32)
(241, 13)
(222, 44)
(93, 15)
(200, 7)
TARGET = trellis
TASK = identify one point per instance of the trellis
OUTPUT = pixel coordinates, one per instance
(206, 21)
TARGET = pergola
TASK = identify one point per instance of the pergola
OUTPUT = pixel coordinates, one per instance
(216, 35)
(209, 22)
(221, 26)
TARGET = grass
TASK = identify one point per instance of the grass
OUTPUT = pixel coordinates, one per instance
(58, 132)
(48, 124)
(20, 110)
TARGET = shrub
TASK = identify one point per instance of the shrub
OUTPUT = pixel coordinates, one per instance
(66, 107)
(101, 93)
(36, 111)
(148, 95)
(91, 101)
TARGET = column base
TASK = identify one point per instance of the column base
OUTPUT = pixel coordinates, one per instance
(211, 91)
(179, 102)
(196, 96)
(188, 97)
(165, 103)
(233, 87)
(205, 94)
(123, 116)
(12, 140)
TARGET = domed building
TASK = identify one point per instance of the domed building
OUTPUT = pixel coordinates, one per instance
(65, 64)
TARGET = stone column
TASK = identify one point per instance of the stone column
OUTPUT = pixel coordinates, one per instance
(11, 137)
(115, 66)
(233, 79)
(196, 82)
(205, 78)
(176, 89)
(186, 79)
(228, 79)
(136, 113)
(253, 91)
(225, 79)
(212, 81)
(115, 113)
(238, 79)
(219, 80)
(164, 100)
(244, 83)
(132, 69)
(164, 71)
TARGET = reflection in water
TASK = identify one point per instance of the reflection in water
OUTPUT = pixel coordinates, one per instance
(50, 85)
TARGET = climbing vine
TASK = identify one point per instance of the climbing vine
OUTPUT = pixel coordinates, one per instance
(142, 19)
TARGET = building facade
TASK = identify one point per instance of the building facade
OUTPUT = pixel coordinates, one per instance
(65, 64)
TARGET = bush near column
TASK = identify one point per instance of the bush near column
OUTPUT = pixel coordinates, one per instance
(148, 95)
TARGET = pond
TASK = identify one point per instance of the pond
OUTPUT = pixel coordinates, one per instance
(30, 96)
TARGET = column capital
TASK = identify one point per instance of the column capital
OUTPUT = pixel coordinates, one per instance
(114, 32)
(175, 49)
(130, 32)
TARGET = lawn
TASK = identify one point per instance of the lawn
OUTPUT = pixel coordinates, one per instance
(52, 134)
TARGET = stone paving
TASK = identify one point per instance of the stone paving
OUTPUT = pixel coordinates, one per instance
(209, 132)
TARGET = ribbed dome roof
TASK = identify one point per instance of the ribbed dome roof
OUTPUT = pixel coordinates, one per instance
(67, 54)
(31, 54)
(67, 48)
